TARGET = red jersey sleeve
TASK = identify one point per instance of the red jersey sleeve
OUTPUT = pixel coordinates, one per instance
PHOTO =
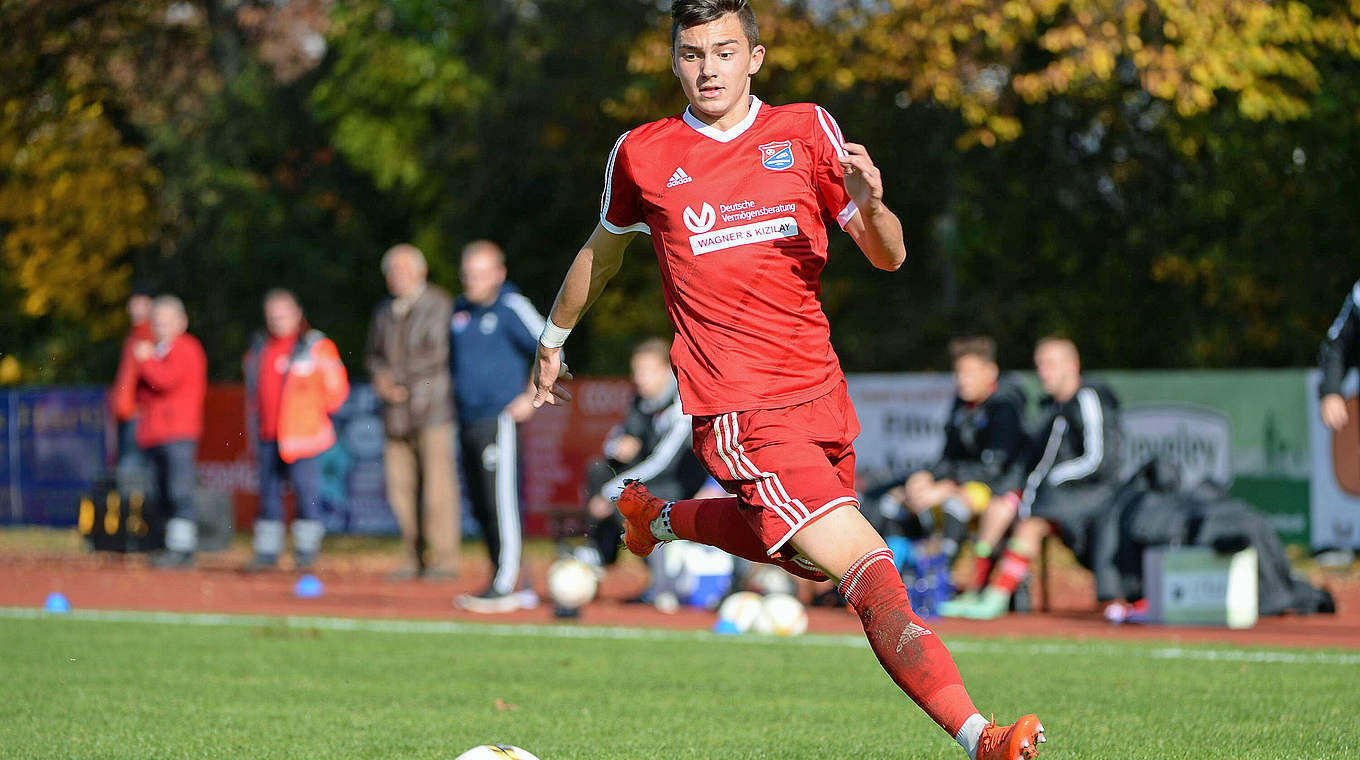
(830, 176)
(621, 203)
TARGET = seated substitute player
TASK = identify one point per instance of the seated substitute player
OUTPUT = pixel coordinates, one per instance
(984, 440)
(735, 195)
(1073, 465)
(651, 444)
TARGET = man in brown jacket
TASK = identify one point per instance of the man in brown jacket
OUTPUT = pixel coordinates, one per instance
(408, 357)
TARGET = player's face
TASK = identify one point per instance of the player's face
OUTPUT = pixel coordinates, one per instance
(482, 275)
(714, 63)
(975, 377)
(1058, 368)
(651, 375)
(282, 317)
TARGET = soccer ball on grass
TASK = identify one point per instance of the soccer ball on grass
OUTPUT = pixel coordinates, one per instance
(571, 583)
(497, 752)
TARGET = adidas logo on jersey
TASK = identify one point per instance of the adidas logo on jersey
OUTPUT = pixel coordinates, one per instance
(678, 178)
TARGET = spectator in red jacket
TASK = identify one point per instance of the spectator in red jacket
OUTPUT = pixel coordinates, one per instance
(294, 382)
(123, 393)
(172, 379)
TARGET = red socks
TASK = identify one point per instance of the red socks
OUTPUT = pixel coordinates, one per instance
(982, 568)
(1014, 567)
(718, 523)
(912, 654)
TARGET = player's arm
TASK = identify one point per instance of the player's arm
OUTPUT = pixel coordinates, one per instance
(875, 229)
(595, 264)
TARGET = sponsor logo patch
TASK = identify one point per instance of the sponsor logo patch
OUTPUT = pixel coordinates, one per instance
(777, 156)
(702, 221)
(730, 237)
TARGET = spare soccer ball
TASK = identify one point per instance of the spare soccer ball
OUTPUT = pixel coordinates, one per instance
(781, 615)
(497, 752)
(768, 579)
(739, 611)
(571, 583)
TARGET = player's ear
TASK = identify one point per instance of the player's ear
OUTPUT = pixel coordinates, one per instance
(757, 58)
(675, 63)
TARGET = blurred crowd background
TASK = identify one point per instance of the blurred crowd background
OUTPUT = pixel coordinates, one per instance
(1171, 184)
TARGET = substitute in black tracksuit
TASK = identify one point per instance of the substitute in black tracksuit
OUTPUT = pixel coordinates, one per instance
(1073, 475)
(493, 336)
(1074, 464)
(651, 444)
(984, 443)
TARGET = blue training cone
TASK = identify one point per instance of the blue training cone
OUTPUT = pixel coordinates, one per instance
(308, 587)
(726, 627)
(56, 603)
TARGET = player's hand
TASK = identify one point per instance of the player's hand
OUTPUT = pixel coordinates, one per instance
(1334, 412)
(548, 369)
(143, 350)
(862, 179)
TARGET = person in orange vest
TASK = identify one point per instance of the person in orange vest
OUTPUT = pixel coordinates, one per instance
(294, 382)
(172, 381)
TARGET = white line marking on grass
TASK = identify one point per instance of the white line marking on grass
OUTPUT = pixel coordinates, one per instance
(568, 631)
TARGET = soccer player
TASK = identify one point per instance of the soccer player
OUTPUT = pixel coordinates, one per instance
(984, 440)
(735, 195)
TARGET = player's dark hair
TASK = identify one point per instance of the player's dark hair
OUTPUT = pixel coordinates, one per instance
(979, 346)
(688, 13)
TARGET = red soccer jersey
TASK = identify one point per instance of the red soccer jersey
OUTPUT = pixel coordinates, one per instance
(739, 223)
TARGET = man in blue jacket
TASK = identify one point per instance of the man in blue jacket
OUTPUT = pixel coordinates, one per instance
(493, 336)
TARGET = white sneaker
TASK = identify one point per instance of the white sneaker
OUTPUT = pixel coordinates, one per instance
(491, 603)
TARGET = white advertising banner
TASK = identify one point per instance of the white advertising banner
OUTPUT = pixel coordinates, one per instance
(1197, 439)
(902, 418)
(1334, 504)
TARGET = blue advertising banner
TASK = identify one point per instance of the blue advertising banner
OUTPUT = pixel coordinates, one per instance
(55, 446)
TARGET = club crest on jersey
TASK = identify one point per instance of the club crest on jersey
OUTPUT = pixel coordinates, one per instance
(777, 156)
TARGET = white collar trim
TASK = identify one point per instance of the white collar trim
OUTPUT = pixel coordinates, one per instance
(712, 132)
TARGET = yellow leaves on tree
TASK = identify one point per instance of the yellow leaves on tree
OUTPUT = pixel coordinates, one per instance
(983, 58)
(73, 200)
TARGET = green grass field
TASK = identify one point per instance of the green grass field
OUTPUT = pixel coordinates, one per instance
(227, 688)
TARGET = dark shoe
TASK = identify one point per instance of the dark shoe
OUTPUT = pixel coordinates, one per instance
(172, 560)
(261, 563)
(304, 562)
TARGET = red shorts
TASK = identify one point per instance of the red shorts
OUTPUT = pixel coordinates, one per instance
(788, 467)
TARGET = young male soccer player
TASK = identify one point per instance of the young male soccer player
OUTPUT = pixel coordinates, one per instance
(734, 193)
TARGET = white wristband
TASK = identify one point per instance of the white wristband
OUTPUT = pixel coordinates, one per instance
(553, 336)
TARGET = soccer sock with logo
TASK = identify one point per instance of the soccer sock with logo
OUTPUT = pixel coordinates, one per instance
(912, 654)
(1012, 570)
(718, 522)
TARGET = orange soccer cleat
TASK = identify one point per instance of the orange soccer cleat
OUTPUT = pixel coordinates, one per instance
(1018, 741)
(639, 507)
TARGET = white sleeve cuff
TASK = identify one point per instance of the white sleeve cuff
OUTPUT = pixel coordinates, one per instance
(846, 214)
(617, 230)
